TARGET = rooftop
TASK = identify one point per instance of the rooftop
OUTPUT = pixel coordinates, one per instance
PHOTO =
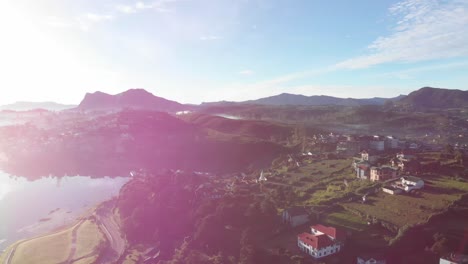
(411, 178)
(320, 241)
(330, 231)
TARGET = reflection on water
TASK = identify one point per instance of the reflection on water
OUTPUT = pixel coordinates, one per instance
(31, 208)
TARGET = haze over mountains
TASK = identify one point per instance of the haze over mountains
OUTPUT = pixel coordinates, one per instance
(26, 106)
(424, 98)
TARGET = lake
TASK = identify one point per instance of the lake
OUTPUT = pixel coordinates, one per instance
(32, 208)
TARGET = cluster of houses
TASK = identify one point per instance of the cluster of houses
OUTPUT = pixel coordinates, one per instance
(365, 169)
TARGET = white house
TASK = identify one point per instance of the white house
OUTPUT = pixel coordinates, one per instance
(364, 156)
(295, 216)
(321, 242)
(411, 183)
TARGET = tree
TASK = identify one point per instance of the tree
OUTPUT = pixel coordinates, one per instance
(448, 149)
(459, 156)
(247, 251)
(440, 245)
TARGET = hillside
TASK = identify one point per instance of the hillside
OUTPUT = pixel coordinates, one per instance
(118, 143)
(428, 97)
(133, 98)
(250, 128)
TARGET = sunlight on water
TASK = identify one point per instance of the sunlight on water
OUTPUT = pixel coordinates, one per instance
(29, 208)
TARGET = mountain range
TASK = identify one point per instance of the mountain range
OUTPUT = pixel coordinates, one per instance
(424, 98)
(316, 100)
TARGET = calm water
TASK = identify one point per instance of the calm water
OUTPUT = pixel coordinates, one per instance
(31, 208)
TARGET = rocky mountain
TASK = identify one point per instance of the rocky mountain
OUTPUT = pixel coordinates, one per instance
(26, 106)
(133, 98)
(316, 100)
(429, 97)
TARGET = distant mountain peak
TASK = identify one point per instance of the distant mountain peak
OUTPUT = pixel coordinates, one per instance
(137, 91)
(136, 98)
(430, 97)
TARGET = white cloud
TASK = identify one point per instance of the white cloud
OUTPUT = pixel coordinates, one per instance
(246, 72)
(86, 21)
(57, 22)
(127, 9)
(159, 6)
(210, 37)
(98, 17)
(409, 73)
(424, 30)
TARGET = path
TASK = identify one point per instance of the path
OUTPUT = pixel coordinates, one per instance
(111, 229)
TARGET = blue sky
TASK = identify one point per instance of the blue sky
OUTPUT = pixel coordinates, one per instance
(208, 50)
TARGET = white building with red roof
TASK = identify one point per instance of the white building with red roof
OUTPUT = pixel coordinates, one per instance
(322, 241)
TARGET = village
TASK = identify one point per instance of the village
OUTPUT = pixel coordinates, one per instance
(362, 195)
(338, 197)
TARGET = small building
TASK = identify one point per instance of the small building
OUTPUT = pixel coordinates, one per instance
(391, 190)
(295, 216)
(362, 170)
(364, 156)
(454, 259)
(321, 242)
(371, 259)
(382, 173)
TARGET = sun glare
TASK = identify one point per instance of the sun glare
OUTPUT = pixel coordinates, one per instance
(5, 188)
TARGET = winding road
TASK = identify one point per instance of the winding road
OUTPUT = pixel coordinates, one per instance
(110, 228)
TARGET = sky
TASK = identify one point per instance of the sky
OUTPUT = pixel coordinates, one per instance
(195, 51)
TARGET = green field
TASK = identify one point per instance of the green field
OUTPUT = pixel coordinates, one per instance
(346, 219)
(89, 237)
(321, 182)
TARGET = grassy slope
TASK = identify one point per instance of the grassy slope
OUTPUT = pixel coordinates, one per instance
(56, 248)
(49, 249)
(89, 236)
